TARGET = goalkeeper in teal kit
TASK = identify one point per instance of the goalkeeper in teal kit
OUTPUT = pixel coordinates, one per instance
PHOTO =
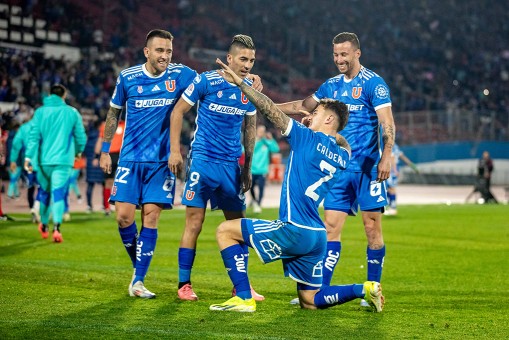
(56, 138)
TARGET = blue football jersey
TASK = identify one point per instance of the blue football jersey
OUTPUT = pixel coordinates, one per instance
(221, 111)
(313, 167)
(149, 101)
(363, 95)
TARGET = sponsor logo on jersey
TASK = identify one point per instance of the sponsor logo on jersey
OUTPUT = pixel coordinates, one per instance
(344, 94)
(352, 107)
(356, 92)
(170, 85)
(156, 88)
(217, 82)
(229, 110)
(381, 91)
(233, 96)
(140, 89)
(189, 195)
(380, 199)
(131, 77)
(154, 102)
(244, 99)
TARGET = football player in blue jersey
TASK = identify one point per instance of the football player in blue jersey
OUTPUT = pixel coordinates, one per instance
(214, 174)
(298, 238)
(392, 181)
(148, 91)
(362, 185)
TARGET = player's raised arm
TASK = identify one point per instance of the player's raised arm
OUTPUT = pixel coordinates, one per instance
(263, 103)
(175, 161)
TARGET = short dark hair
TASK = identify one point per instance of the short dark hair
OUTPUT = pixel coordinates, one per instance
(242, 41)
(158, 33)
(58, 89)
(339, 109)
(347, 36)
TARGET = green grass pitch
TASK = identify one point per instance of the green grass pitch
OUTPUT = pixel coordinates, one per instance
(445, 277)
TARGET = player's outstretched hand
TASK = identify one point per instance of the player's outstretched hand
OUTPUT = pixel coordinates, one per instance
(228, 74)
(175, 162)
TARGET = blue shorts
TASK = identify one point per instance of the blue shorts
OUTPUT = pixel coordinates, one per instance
(217, 182)
(301, 250)
(142, 183)
(356, 190)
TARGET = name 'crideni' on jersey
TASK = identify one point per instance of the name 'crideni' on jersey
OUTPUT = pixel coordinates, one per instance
(154, 102)
(226, 109)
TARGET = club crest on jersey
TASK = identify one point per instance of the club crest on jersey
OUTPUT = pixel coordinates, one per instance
(335, 94)
(244, 99)
(189, 195)
(219, 94)
(113, 190)
(381, 91)
(170, 85)
(356, 92)
(140, 89)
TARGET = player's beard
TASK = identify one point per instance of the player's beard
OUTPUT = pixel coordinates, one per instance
(158, 65)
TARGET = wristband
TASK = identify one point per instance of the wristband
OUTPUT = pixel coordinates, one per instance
(106, 147)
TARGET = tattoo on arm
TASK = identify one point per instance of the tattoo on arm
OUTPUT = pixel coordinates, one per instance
(388, 135)
(111, 124)
(249, 139)
(266, 106)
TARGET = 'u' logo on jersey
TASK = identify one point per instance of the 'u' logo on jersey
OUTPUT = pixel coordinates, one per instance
(170, 85)
(356, 92)
(243, 99)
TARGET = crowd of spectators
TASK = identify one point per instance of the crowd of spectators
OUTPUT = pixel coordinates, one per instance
(446, 55)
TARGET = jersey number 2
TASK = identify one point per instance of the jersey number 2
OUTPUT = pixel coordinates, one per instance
(325, 167)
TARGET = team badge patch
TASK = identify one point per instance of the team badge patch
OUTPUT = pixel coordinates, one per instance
(381, 91)
(356, 92)
(140, 89)
(244, 99)
(189, 195)
(189, 89)
(114, 190)
(219, 94)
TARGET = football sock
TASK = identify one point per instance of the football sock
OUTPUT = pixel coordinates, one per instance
(129, 237)
(235, 264)
(392, 200)
(106, 197)
(1, 211)
(330, 261)
(56, 227)
(375, 263)
(245, 249)
(330, 296)
(186, 259)
(144, 252)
